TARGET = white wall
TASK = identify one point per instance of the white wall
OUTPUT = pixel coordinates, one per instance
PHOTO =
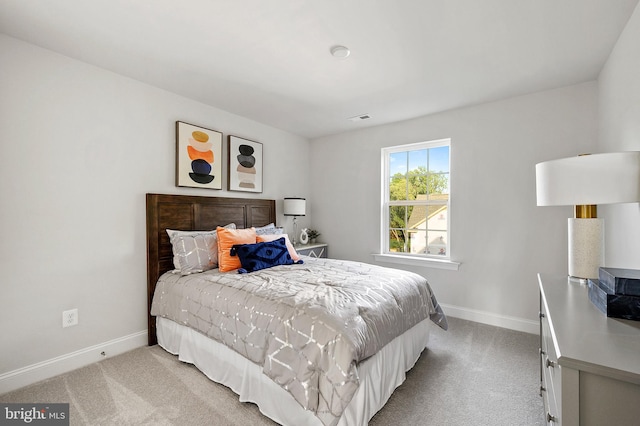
(619, 130)
(79, 148)
(498, 234)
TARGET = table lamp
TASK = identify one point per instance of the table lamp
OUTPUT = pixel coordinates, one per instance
(586, 181)
(295, 206)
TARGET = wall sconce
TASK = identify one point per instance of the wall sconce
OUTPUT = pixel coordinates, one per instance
(295, 207)
(585, 181)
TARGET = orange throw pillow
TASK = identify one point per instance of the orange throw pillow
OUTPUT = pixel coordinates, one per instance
(226, 239)
(272, 237)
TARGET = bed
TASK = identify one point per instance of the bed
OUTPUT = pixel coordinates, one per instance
(304, 359)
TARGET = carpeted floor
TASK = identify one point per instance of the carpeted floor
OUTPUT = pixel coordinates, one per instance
(473, 374)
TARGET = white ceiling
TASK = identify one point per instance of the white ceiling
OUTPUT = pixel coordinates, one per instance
(269, 60)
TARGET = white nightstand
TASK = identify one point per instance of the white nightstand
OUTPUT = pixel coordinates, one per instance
(314, 250)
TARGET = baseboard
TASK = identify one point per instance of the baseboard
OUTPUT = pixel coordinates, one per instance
(512, 323)
(53, 367)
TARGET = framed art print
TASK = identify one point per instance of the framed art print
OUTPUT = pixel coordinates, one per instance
(198, 157)
(245, 165)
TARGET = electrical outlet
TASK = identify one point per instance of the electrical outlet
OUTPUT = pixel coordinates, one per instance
(69, 318)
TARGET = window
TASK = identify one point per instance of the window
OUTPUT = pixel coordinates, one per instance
(416, 192)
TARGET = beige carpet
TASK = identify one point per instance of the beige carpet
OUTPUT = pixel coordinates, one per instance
(473, 374)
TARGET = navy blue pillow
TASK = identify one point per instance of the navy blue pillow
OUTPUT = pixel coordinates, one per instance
(254, 257)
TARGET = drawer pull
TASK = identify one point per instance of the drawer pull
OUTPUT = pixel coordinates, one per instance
(551, 418)
(550, 363)
(541, 315)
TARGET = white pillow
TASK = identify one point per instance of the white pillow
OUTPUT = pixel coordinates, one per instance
(267, 229)
(194, 251)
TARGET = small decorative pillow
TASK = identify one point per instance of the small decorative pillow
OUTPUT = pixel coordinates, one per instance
(227, 238)
(272, 237)
(254, 257)
(194, 251)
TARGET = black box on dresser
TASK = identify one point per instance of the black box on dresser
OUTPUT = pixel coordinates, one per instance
(620, 281)
(617, 293)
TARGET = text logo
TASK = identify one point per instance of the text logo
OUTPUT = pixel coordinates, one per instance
(34, 414)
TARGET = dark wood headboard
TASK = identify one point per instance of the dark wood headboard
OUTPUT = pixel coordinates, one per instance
(192, 213)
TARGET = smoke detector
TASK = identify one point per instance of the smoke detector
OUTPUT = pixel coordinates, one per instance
(340, 52)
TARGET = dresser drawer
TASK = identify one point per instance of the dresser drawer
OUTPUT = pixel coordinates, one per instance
(551, 375)
(549, 399)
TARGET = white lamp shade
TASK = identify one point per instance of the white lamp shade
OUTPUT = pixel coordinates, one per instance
(589, 179)
(295, 206)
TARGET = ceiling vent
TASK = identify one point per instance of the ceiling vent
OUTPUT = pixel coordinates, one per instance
(360, 117)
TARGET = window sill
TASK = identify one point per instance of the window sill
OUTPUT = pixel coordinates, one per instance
(415, 261)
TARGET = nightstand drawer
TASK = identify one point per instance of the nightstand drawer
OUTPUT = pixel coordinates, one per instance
(313, 250)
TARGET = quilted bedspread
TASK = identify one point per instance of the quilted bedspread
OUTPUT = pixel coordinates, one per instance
(307, 325)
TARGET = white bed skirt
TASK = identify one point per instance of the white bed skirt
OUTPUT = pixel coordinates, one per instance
(379, 375)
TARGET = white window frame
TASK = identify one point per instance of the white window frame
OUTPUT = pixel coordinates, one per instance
(421, 259)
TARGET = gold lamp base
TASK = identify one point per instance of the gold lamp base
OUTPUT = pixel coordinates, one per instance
(589, 211)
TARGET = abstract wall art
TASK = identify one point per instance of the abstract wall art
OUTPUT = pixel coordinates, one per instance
(198, 157)
(245, 165)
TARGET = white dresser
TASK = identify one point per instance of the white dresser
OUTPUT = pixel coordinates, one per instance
(589, 364)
